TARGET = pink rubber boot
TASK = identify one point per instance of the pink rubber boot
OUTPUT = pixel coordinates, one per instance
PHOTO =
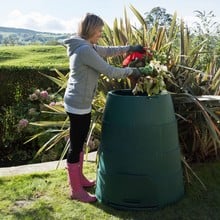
(77, 191)
(84, 181)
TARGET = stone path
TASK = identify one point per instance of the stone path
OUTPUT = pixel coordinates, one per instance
(39, 167)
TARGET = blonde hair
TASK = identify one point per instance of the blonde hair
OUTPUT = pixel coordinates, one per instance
(88, 25)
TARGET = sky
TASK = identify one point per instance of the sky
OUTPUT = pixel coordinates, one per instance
(63, 16)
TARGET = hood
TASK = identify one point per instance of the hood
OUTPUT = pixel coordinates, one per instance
(73, 43)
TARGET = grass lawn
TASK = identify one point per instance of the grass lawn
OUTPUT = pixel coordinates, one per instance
(44, 196)
(34, 56)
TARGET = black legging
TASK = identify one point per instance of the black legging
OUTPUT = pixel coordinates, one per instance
(79, 128)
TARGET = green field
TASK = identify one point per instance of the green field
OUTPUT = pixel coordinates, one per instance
(34, 56)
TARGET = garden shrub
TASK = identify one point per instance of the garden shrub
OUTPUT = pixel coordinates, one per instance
(22, 80)
(18, 84)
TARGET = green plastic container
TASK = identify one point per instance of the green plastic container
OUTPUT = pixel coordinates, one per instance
(139, 155)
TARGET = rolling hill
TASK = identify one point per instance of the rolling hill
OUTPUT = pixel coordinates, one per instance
(20, 36)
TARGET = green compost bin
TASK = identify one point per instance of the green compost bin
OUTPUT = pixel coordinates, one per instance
(139, 156)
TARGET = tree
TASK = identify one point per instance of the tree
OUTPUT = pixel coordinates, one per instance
(158, 15)
(206, 29)
(13, 39)
(206, 25)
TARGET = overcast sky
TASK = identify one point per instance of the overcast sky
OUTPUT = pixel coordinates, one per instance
(62, 16)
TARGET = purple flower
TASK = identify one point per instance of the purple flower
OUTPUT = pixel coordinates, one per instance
(52, 104)
(44, 94)
(23, 123)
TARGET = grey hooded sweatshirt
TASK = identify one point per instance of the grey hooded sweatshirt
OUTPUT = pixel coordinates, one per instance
(86, 64)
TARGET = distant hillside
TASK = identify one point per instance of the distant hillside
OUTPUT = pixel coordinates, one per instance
(20, 36)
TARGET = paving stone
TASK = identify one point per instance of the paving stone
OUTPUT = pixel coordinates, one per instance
(40, 167)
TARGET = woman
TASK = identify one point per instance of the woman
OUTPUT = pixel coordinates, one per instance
(86, 64)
